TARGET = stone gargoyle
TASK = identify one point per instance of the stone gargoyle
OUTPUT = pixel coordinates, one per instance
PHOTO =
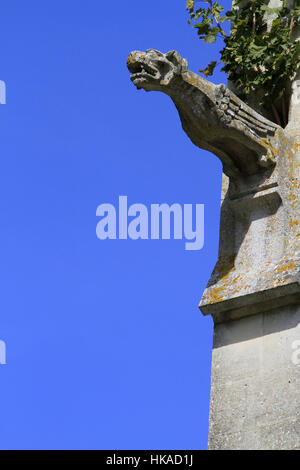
(213, 117)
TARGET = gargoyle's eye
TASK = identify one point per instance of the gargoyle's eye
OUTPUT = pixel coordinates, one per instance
(154, 52)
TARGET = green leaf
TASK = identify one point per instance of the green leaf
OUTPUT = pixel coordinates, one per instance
(254, 57)
(210, 39)
(190, 4)
(203, 28)
(209, 70)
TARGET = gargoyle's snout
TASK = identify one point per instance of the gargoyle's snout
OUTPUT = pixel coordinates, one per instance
(153, 70)
(144, 69)
(134, 61)
(139, 63)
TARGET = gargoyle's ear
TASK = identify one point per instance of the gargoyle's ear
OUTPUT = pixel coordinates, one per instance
(177, 60)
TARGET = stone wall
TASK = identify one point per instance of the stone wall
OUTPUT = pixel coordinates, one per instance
(256, 382)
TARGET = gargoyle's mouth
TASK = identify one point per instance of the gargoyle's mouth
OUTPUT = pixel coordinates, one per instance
(141, 70)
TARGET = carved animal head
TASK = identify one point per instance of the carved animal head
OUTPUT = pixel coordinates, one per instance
(153, 70)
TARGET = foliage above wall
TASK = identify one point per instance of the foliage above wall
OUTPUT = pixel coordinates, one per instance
(259, 52)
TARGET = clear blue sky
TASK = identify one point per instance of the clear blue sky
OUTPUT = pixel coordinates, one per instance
(106, 347)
